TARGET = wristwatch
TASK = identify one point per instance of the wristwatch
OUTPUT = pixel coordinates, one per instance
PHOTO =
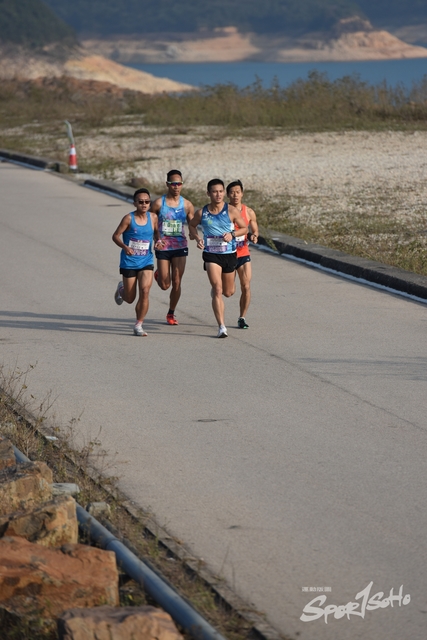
(233, 233)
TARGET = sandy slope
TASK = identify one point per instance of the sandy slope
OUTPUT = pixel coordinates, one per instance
(19, 64)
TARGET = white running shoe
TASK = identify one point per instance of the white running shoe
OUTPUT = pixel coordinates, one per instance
(138, 330)
(222, 332)
(118, 293)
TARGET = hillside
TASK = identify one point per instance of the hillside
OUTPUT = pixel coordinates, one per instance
(82, 67)
(31, 23)
(287, 17)
(361, 42)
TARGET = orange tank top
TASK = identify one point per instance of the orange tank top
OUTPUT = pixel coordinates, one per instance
(242, 244)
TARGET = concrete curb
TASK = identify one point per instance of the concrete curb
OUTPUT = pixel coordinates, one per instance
(33, 161)
(111, 188)
(367, 271)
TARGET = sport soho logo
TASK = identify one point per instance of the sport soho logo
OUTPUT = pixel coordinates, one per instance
(366, 603)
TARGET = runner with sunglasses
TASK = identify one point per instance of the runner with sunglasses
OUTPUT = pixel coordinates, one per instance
(134, 236)
(172, 211)
(243, 268)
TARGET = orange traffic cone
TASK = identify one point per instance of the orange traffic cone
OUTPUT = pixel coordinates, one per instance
(72, 158)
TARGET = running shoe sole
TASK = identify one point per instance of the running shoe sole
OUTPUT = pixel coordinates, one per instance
(117, 296)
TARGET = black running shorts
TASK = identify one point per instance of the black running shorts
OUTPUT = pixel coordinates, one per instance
(227, 261)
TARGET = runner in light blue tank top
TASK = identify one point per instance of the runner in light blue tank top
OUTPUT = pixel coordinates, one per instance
(139, 238)
(218, 222)
(214, 228)
(135, 235)
(173, 211)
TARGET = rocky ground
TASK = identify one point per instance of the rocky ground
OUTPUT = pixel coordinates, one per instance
(362, 192)
(323, 174)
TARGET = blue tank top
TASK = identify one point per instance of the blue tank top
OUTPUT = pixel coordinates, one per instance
(140, 239)
(214, 226)
(171, 225)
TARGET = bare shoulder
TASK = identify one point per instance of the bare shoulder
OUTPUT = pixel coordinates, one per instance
(126, 219)
(156, 204)
(188, 205)
(123, 224)
(251, 213)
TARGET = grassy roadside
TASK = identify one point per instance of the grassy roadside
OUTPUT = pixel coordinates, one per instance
(86, 466)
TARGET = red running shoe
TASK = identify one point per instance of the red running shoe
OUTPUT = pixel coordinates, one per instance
(170, 319)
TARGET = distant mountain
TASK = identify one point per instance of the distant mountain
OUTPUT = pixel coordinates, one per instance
(288, 17)
(107, 17)
(32, 23)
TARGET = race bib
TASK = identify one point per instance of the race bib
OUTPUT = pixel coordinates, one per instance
(140, 247)
(240, 241)
(172, 227)
(216, 244)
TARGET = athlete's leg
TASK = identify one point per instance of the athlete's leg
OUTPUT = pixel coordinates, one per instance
(177, 269)
(164, 274)
(214, 272)
(245, 275)
(129, 289)
(145, 280)
(228, 284)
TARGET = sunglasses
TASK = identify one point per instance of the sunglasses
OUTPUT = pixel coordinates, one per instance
(175, 184)
(143, 201)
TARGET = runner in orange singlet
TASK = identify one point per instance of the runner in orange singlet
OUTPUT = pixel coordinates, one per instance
(244, 267)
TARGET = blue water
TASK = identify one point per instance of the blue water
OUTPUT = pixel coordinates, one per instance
(243, 74)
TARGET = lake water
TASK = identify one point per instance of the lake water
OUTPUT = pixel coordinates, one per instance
(244, 74)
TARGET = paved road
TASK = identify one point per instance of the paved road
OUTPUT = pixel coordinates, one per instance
(290, 456)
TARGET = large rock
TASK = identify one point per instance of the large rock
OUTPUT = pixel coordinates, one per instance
(106, 623)
(25, 486)
(34, 578)
(7, 455)
(52, 524)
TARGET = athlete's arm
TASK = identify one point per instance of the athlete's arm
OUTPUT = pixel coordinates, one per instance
(192, 228)
(117, 235)
(156, 206)
(237, 219)
(253, 224)
(189, 210)
(158, 242)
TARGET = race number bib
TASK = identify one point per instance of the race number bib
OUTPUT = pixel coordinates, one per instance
(240, 241)
(140, 247)
(172, 227)
(216, 244)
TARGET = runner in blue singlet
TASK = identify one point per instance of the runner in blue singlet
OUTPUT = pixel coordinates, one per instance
(173, 211)
(134, 236)
(219, 246)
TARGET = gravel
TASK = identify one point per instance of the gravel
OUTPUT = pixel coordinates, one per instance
(326, 172)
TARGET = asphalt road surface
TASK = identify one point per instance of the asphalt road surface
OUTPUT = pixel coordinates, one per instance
(291, 456)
